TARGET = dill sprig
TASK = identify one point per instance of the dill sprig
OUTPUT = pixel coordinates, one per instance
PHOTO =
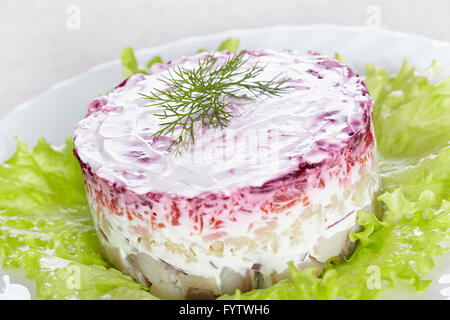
(200, 97)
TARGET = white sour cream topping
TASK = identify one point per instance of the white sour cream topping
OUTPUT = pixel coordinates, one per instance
(265, 138)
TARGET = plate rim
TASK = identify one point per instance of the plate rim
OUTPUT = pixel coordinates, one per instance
(226, 33)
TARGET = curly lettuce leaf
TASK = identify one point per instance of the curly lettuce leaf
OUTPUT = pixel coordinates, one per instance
(412, 124)
(411, 112)
(339, 57)
(231, 45)
(429, 173)
(129, 63)
(46, 228)
(152, 61)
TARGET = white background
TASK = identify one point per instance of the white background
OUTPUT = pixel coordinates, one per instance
(41, 45)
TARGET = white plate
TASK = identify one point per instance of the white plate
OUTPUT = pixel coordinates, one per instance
(54, 113)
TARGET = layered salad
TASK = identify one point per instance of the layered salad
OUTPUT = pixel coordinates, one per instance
(282, 181)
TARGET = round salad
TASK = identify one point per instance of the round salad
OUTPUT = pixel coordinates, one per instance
(48, 239)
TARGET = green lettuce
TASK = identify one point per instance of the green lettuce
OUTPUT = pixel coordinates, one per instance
(46, 228)
(152, 61)
(395, 250)
(231, 44)
(129, 63)
(411, 113)
(412, 124)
